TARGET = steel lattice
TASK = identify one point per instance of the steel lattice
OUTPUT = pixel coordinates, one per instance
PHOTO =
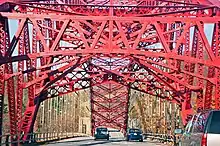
(158, 47)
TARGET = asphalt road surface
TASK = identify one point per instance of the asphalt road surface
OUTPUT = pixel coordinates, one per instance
(89, 141)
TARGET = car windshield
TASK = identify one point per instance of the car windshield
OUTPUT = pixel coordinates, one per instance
(102, 130)
(134, 131)
(214, 126)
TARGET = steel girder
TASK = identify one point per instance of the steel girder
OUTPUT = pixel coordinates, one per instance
(7, 69)
(149, 42)
(3, 32)
(109, 106)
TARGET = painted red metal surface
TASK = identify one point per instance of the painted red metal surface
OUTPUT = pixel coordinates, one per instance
(109, 106)
(2, 70)
(158, 47)
(215, 47)
(10, 91)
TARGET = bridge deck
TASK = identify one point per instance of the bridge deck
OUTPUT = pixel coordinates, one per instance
(114, 141)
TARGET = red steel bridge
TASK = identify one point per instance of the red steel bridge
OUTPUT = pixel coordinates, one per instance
(165, 48)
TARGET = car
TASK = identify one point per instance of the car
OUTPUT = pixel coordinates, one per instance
(134, 134)
(102, 133)
(202, 130)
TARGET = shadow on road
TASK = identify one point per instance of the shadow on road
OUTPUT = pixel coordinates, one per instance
(72, 141)
(94, 142)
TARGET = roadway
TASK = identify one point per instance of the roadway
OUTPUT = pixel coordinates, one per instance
(89, 141)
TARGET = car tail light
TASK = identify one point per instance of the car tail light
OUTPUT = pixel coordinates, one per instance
(204, 140)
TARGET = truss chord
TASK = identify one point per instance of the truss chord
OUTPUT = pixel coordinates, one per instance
(112, 47)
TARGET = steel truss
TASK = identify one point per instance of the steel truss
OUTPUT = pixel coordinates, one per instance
(154, 46)
(109, 106)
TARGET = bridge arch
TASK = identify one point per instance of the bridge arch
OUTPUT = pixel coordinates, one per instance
(160, 48)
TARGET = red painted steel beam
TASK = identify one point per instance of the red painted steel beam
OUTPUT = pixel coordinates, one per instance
(2, 73)
(200, 97)
(212, 80)
(49, 74)
(69, 89)
(26, 124)
(189, 67)
(114, 112)
(114, 32)
(20, 80)
(115, 51)
(215, 44)
(209, 97)
(10, 82)
(70, 82)
(19, 1)
(210, 2)
(104, 18)
(170, 77)
(16, 37)
(129, 78)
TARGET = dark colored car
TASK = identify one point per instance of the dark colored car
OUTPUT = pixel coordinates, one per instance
(101, 133)
(134, 134)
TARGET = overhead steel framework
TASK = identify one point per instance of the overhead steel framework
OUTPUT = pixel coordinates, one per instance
(166, 48)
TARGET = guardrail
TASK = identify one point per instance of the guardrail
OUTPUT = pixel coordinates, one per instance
(38, 138)
(159, 137)
(163, 138)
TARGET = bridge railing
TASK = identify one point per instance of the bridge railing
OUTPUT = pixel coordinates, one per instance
(38, 137)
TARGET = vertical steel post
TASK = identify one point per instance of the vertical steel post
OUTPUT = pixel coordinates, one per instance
(2, 71)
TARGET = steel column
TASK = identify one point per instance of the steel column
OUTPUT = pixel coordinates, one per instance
(2, 70)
